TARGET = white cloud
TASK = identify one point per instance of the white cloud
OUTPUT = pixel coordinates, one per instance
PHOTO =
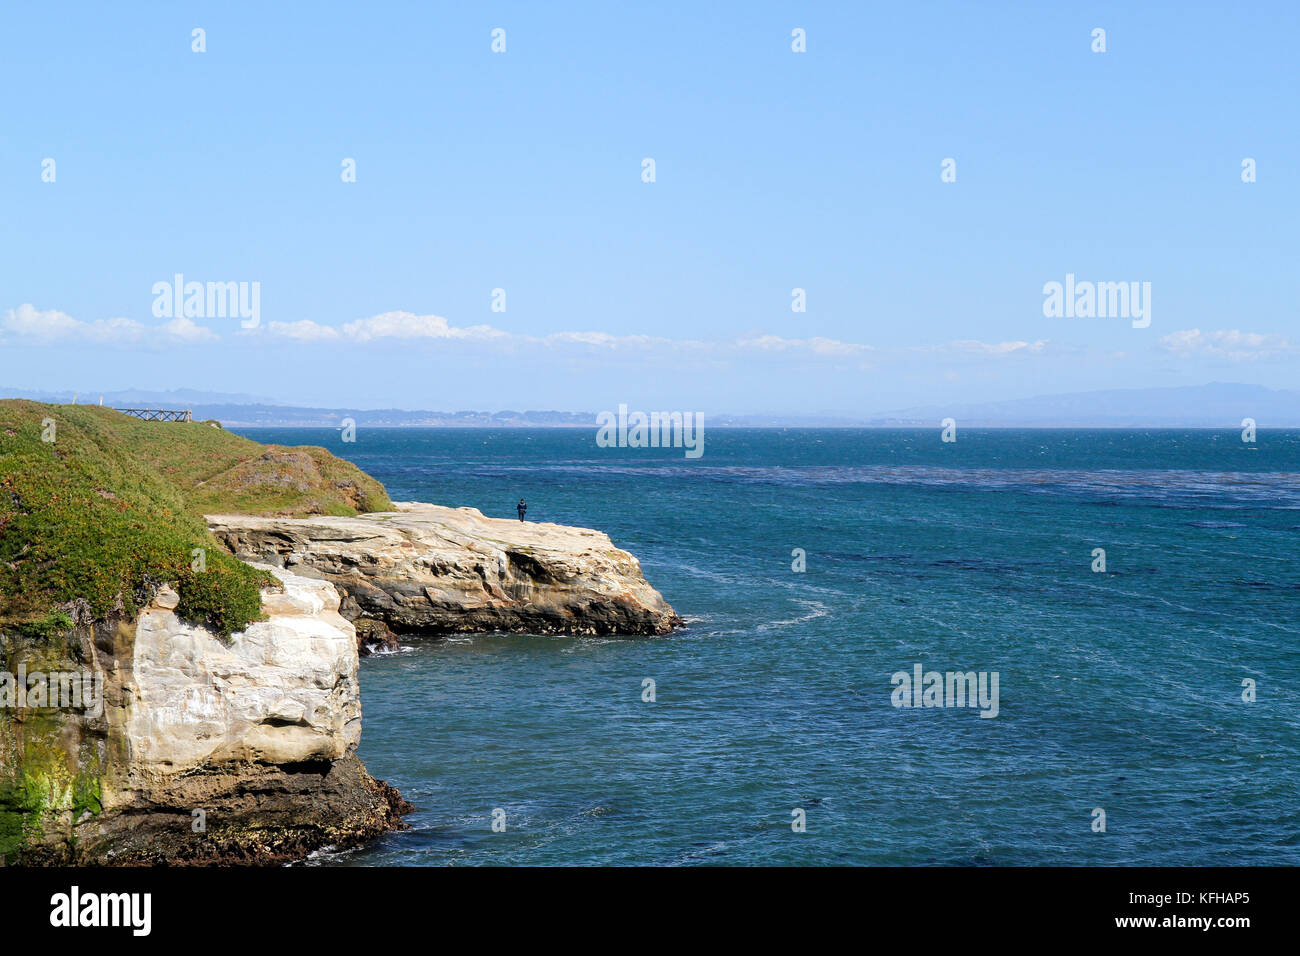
(29, 324)
(304, 330)
(607, 340)
(816, 345)
(992, 349)
(406, 325)
(1231, 344)
(836, 348)
(185, 330)
(399, 326)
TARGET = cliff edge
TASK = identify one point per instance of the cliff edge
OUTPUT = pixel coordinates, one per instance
(160, 700)
(180, 746)
(182, 690)
(428, 569)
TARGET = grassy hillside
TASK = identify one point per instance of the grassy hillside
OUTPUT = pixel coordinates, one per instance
(113, 505)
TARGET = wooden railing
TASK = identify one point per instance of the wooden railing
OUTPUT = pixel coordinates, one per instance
(158, 414)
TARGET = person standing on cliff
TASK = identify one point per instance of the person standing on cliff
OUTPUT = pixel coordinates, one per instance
(521, 508)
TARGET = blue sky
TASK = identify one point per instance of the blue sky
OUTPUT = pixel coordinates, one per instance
(522, 171)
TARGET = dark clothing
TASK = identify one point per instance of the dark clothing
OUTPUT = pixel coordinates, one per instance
(521, 508)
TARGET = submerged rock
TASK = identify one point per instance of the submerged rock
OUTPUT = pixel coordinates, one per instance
(429, 569)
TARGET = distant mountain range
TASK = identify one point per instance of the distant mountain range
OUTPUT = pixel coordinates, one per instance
(1217, 405)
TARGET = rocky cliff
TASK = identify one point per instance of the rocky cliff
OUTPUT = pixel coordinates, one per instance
(426, 569)
(186, 747)
(162, 700)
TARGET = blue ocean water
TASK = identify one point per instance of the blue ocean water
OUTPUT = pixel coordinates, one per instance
(1120, 691)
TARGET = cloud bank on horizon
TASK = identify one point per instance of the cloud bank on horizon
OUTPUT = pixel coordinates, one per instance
(48, 327)
(52, 326)
(314, 341)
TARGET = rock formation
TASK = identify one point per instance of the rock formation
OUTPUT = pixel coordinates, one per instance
(203, 750)
(154, 709)
(427, 569)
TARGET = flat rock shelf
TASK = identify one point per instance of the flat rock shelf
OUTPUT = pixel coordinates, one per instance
(428, 569)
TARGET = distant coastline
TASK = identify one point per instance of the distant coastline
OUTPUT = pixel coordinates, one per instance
(1216, 405)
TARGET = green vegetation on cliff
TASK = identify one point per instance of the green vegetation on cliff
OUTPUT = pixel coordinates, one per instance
(112, 505)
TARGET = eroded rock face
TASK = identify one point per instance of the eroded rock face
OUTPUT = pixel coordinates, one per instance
(430, 569)
(203, 750)
(283, 691)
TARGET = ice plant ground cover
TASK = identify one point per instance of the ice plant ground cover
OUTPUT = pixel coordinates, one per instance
(98, 506)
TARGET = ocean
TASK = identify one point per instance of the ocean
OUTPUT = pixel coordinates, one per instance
(773, 737)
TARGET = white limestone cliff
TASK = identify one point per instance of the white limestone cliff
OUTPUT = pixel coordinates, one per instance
(282, 691)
